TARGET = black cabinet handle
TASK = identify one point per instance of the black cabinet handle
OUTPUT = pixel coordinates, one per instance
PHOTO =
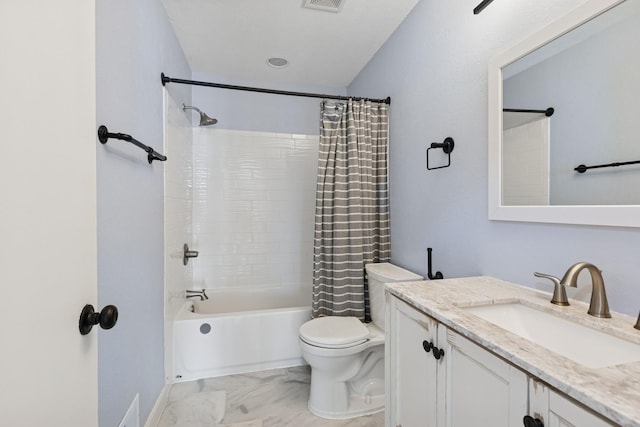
(107, 318)
(437, 352)
(532, 422)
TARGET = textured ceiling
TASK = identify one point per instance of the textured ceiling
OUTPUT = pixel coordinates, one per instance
(236, 37)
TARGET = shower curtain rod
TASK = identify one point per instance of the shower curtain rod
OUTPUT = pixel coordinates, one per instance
(166, 79)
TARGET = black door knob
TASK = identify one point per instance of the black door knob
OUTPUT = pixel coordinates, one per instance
(107, 318)
(532, 422)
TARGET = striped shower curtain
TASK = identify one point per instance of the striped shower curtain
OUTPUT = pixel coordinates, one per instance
(352, 205)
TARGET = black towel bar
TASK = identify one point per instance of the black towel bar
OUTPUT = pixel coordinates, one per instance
(104, 135)
(583, 168)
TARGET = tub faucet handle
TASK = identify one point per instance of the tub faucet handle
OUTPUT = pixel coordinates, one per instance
(188, 254)
(559, 293)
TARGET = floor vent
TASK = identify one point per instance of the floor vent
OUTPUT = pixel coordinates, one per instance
(326, 5)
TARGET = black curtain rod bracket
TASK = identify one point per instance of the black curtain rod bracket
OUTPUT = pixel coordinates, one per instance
(167, 79)
(104, 135)
(548, 112)
(583, 168)
(447, 146)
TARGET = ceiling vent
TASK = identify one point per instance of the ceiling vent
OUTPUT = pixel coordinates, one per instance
(326, 5)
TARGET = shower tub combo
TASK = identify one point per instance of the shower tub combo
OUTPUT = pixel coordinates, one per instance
(237, 331)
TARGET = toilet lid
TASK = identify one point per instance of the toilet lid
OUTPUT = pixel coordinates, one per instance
(334, 331)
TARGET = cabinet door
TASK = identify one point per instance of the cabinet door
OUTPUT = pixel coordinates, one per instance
(412, 381)
(556, 410)
(482, 389)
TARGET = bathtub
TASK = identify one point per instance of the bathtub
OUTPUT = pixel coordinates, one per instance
(237, 331)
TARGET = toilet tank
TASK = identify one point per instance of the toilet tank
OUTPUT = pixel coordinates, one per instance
(379, 274)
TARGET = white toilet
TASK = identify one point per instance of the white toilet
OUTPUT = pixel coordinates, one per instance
(347, 356)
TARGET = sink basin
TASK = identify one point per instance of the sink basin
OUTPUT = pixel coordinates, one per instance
(589, 347)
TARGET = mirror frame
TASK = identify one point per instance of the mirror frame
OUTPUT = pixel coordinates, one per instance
(607, 215)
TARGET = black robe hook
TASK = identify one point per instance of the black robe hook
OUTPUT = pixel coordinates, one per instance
(432, 276)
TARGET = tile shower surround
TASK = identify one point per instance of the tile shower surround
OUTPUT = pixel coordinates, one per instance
(253, 212)
(178, 207)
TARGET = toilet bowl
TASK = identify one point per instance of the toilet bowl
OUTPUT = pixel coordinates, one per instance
(347, 356)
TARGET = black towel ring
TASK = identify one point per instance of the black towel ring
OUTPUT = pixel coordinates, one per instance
(447, 146)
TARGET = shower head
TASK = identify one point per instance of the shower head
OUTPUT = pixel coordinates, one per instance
(204, 119)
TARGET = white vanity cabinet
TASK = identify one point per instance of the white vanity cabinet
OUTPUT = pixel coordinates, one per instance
(413, 375)
(481, 389)
(490, 377)
(558, 411)
(466, 385)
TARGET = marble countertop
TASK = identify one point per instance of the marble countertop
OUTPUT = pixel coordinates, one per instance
(614, 392)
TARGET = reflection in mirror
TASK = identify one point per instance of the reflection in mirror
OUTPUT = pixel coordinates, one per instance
(584, 65)
(591, 77)
(525, 159)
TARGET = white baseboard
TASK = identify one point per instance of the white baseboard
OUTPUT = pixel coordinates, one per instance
(158, 408)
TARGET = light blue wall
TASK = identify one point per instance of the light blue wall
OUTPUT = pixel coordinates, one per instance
(434, 67)
(238, 110)
(135, 43)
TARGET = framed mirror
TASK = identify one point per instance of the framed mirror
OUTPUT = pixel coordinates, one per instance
(564, 121)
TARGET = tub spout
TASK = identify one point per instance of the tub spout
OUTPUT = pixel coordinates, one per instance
(197, 294)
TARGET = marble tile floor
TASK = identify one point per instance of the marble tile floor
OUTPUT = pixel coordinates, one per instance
(274, 398)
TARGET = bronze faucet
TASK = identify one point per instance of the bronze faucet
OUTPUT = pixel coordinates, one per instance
(599, 307)
(559, 293)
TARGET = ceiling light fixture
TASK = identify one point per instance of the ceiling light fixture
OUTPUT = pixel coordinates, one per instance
(277, 62)
(479, 8)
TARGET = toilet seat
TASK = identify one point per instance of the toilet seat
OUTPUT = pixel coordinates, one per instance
(334, 332)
